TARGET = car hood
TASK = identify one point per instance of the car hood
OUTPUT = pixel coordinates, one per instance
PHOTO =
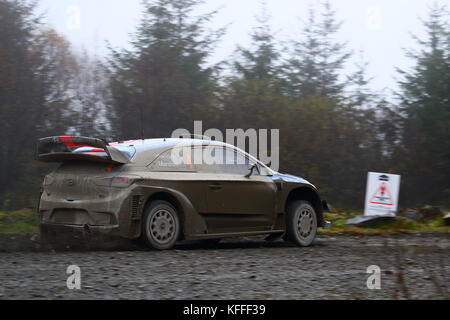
(290, 178)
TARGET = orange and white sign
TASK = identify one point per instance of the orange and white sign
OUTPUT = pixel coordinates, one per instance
(382, 194)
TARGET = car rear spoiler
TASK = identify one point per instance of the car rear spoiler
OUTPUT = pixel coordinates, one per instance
(60, 149)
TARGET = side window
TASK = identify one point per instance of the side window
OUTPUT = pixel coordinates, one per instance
(173, 160)
(235, 163)
(207, 162)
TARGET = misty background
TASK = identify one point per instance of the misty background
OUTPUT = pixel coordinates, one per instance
(378, 28)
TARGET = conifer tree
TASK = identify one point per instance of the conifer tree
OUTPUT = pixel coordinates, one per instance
(317, 61)
(164, 82)
(425, 101)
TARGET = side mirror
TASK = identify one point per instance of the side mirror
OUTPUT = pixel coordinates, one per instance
(251, 169)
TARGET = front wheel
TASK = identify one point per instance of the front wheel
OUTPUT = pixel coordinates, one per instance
(161, 226)
(301, 224)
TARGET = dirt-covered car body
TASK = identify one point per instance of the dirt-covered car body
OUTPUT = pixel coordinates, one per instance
(102, 188)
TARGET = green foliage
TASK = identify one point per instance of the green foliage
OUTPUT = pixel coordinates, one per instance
(18, 222)
(25, 222)
(340, 217)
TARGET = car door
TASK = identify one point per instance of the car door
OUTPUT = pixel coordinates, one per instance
(180, 175)
(234, 202)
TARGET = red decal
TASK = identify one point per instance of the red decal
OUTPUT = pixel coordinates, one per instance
(382, 196)
(67, 141)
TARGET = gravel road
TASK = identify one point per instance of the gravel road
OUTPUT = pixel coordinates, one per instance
(412, 266)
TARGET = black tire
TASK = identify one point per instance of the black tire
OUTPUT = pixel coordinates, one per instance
(301, 223)
(44, 236)
(160, 226)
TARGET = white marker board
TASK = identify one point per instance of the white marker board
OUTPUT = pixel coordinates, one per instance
(381, 194)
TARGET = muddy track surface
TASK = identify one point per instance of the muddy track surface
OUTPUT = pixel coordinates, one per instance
(412, 267)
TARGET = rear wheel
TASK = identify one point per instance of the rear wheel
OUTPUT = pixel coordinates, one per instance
(301, 224)
(161, 226)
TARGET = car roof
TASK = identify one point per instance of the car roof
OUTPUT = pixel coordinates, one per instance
(148, 144)
(148, 149)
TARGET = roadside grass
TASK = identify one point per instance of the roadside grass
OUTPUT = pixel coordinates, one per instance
(25, 222)
(18, 222)
(338, 219)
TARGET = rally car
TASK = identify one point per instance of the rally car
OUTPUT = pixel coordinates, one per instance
(158, 190)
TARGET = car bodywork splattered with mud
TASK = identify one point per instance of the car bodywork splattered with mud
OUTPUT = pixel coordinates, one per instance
(136, 189)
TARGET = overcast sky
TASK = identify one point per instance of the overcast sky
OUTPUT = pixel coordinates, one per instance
(380, 28)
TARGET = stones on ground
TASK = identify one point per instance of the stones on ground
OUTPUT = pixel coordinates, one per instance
(420, 215)
(369, 220)
(155, 275)
(431, 212)
(413, 214)
(423, 214)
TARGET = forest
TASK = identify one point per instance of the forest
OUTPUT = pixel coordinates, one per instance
(333, 127)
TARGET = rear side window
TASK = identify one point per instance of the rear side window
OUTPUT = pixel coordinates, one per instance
(207, 163)
(224, 161)
(173, 161)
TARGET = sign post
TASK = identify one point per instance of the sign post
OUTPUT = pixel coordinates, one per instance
(382, 194)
